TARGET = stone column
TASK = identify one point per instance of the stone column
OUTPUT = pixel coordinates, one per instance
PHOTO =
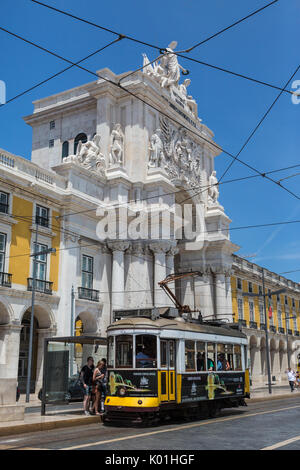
(170, 259)
(221, 293)
(42, 334)
(204, 294)
(160, 249)
(137, 273)
(105, 287)
(118, 273)
(9, 359)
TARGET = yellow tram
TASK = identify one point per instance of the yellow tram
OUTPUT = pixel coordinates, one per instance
(163, 365)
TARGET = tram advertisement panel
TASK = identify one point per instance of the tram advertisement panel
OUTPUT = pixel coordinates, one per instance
(210, 386)
(131, 383)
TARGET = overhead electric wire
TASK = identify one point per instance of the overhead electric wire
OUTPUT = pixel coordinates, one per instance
(151, 240)
(145, 43)
(171, 118)
(118, 204)
(179, 54)
(153, 107)
(259, 124)
(60, 72)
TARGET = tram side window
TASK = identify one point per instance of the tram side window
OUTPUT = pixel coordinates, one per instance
(237, 357)
(111, 352)
(190, 356)
(145, 351)
(201, 357)
(224, 357)
(163, 353)
(124, 351)
(211, 361)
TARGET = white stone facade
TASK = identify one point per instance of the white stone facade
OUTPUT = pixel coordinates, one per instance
(136, 156)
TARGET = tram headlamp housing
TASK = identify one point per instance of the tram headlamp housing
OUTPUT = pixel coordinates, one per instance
(121, 392)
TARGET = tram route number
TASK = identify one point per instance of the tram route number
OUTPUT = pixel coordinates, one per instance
(151, 459)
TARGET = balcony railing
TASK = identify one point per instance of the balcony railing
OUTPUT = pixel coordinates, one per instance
(5, 279)
(290, 332)
(296, 333)
(88, 294)
(43, 221)
(3, 208)
(40, 286)
(281, 330)
(273, 328)
(263, 326)
(253, 324)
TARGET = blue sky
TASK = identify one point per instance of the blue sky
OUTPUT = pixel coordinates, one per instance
(265, 47)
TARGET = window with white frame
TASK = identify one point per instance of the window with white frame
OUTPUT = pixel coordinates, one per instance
(4, 197)
(239, 283)
(240, 309)
(41, 262)
(279, 317)
(251, 310)
(87, 272)
(295, 321)
(2, 251)
(42, 216)
(261, 312)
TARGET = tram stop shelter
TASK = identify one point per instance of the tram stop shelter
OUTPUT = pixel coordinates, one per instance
(63, 359)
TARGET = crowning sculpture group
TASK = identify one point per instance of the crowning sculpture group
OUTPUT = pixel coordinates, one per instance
(170, 148)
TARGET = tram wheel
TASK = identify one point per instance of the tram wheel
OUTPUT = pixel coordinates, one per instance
(214, 410)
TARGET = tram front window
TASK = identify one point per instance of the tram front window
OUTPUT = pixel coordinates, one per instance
(124, 351)
(146, 355)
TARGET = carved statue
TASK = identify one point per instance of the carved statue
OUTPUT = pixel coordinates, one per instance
(116, 146)
(156, 150)
(191, 103)
(213, 191)
(89, 155)
(167, 71)
(171, 67)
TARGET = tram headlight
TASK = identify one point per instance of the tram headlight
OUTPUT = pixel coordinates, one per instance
(122, 392)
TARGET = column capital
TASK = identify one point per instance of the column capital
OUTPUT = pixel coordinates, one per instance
(118, 245)
(220, 269)
(11, 327)
(161, 246)
(174, 250)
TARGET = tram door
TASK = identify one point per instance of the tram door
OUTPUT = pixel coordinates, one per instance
(167, 373)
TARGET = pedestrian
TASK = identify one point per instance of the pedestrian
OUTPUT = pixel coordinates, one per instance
(98, 377)
(86, 376)
(297, 383)
(103, 369)
(291, 378)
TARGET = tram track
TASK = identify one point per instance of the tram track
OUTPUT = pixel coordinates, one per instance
(88, 437)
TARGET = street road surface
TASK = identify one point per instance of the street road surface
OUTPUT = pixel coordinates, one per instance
(267, 425)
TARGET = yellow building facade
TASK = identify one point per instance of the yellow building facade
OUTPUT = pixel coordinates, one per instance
(282, 322)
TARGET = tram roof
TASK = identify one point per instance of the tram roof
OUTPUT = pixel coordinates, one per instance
(174, 324)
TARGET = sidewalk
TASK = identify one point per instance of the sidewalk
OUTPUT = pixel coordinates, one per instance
(278, 391)
(60, 416)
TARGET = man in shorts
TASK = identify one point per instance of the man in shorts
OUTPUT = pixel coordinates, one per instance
(86, 376)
